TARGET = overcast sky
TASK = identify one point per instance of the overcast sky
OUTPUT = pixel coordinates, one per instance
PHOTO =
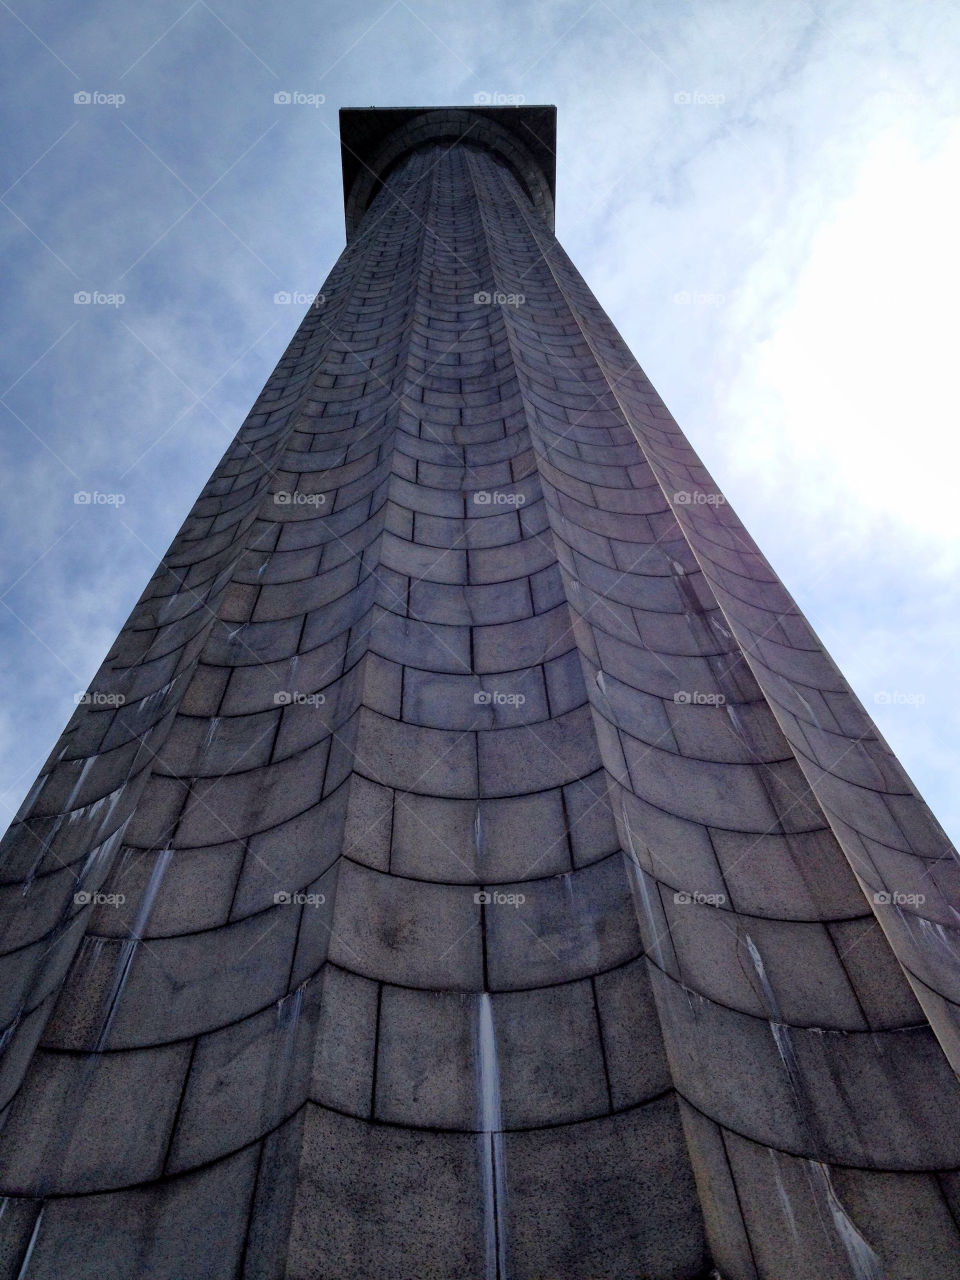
(764, 196)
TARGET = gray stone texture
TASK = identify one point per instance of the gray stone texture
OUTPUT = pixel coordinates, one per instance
(475, 866)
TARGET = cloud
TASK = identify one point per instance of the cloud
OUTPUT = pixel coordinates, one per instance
(809, 212)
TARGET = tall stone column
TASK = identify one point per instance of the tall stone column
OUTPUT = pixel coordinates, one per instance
(468, 862)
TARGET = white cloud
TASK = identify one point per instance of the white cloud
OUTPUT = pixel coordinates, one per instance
(815, 199)
(857, 378)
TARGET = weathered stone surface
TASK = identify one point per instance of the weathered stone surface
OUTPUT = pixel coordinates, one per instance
(474, 866)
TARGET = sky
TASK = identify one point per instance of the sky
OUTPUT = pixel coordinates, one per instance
(763, 196)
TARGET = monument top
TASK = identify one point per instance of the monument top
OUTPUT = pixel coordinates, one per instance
(374, 139)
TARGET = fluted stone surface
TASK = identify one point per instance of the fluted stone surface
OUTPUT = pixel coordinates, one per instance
(510, 885)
